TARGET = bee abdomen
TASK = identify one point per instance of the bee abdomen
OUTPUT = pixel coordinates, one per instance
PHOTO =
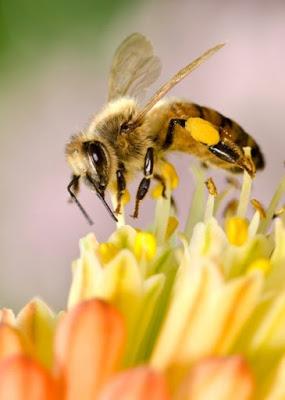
(226, 126)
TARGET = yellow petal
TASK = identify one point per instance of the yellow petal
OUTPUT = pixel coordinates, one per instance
(37, 322)
(140, 383)
(219, 379)
(203, 131)
(11, 341)
(88, 348)
(22, 378)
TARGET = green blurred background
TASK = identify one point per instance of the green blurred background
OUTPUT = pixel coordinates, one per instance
(54, 63)
(30, 30)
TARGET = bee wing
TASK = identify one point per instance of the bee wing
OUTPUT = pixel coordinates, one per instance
(134, 67)
(176, 79)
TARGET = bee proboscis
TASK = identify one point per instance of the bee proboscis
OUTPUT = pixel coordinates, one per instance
(125, 138)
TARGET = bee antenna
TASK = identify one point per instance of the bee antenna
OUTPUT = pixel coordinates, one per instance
(101, 197)
(74, 182)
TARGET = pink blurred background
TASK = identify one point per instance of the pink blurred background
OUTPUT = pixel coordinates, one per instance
(41, 106)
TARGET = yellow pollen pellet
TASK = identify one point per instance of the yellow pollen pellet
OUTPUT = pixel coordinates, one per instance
(126, 197)
(261, 264)
(145, 246)
(106, 252)
(236, 230)
(156, 192)
(203, 131)
(170, 175)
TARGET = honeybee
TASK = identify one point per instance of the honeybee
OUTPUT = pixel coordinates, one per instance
(125, 139)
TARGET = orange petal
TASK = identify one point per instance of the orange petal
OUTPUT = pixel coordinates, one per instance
(11, 341)
(136, 384)
(227, 378)
(88, 346)
(7, 316)
(22, 378)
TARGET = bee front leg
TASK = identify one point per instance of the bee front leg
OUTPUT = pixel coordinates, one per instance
(73, 189)
(121, 187)
(145, 182)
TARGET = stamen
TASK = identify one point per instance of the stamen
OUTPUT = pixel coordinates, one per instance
(236, 229)
(272, 206)
(202, 131)
(231, 208)
(258, 207)
(211, 199)
(198, 201)
(245, 190)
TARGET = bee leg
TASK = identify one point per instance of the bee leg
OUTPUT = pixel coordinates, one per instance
(145, 182)
(228, 151)
(161, 180)
(74, 185)
(73, 188)
(170, 131)
(121, 187)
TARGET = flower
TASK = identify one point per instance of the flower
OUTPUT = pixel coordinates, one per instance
(162, 315)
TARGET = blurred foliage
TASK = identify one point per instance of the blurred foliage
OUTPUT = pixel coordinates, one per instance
(31, 28)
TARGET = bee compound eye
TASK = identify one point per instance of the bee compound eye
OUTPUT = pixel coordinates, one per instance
(97, 154)
(99, 159)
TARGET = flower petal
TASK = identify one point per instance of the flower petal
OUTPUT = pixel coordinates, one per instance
(277, 388)
(11, 341)
(7, 316)
(22, 378)
(203, 300)
(87, 272)
(218, 378)
(136, 384)
(88, 346)
(37, 322)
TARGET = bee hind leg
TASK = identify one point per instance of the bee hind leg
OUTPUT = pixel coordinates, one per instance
(145, 182)
(228, 151)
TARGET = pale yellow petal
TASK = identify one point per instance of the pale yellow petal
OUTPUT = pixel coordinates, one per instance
(276, 390)
(203, 300)
(87, 272)
(37, 322)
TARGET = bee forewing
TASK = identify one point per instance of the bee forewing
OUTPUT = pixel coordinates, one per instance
(181, 74)
(134, 67)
